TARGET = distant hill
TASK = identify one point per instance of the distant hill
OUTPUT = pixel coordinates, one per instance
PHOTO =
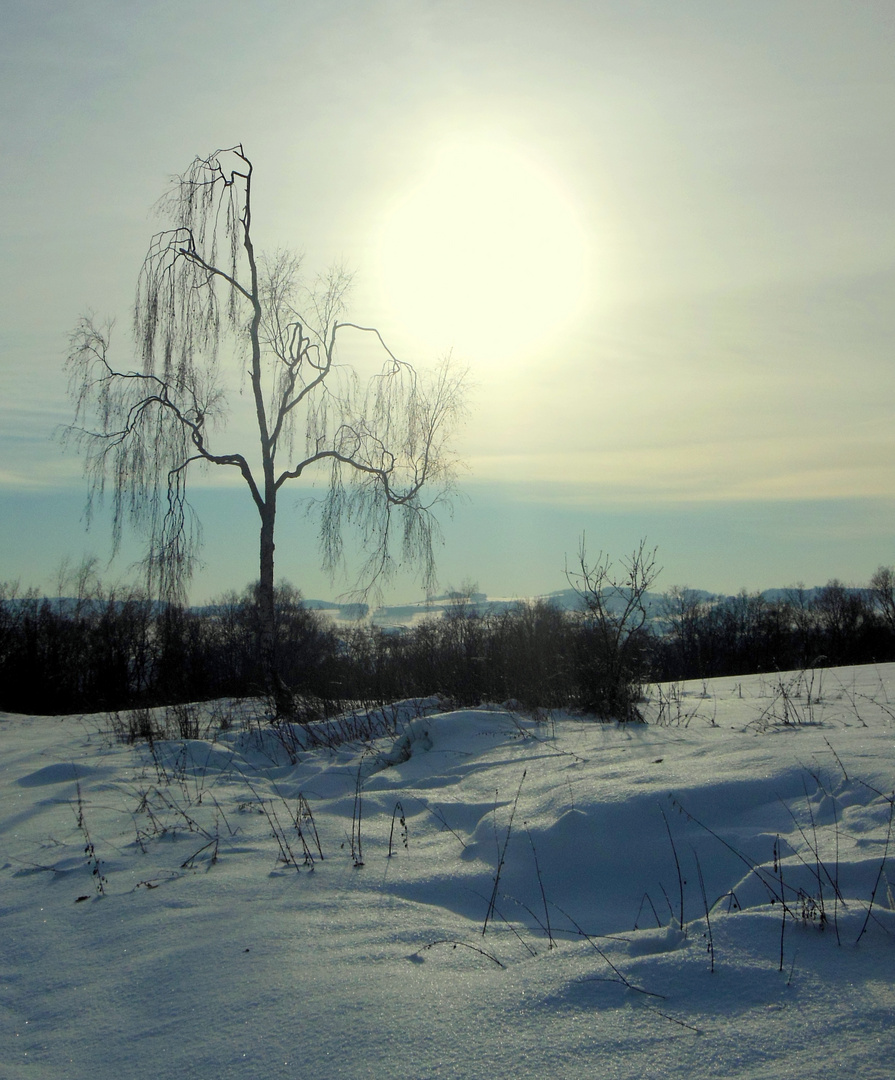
(409, 614)
(395, 615)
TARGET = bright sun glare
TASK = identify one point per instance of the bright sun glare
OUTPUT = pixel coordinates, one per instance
(484, 254)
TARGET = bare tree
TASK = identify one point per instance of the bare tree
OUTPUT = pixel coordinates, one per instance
(882, 592)
(685, 617)
(207, 306)
(613, 607)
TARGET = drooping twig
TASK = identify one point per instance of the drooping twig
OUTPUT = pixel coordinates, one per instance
(680, 877)
(881, 868)
(93, 860)
(705, 904)
(620, 976)
(460, 944)
(502, 857)
(778, 865)
(397, 813)
(762, 875)
(647, 899)
(357, 853)
(551, 942)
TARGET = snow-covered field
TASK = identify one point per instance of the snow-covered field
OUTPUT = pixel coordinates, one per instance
(517, 913)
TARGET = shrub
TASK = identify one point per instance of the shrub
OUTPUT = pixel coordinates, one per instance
(613, 644)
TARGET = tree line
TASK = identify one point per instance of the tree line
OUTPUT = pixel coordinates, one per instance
(107, 648)
(697, 636)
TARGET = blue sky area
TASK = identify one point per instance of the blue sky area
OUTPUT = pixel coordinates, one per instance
(509, 546)
(658, 235)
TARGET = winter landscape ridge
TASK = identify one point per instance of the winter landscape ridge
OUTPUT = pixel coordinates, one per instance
(411, 613)
(428, 893)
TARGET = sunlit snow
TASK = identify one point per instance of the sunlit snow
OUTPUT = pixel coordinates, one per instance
(499, 894)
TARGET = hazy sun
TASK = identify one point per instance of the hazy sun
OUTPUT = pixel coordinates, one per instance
(484, 253)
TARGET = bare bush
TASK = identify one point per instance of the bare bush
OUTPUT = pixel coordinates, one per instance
(612, 668)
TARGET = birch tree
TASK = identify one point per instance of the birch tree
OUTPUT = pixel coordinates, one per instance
(208, 305)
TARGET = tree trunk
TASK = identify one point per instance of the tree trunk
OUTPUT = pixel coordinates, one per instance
(273, 684)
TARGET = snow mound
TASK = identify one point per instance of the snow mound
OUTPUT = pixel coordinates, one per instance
(540, 899)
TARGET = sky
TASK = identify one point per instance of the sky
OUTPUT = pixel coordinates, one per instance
(659, 235)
